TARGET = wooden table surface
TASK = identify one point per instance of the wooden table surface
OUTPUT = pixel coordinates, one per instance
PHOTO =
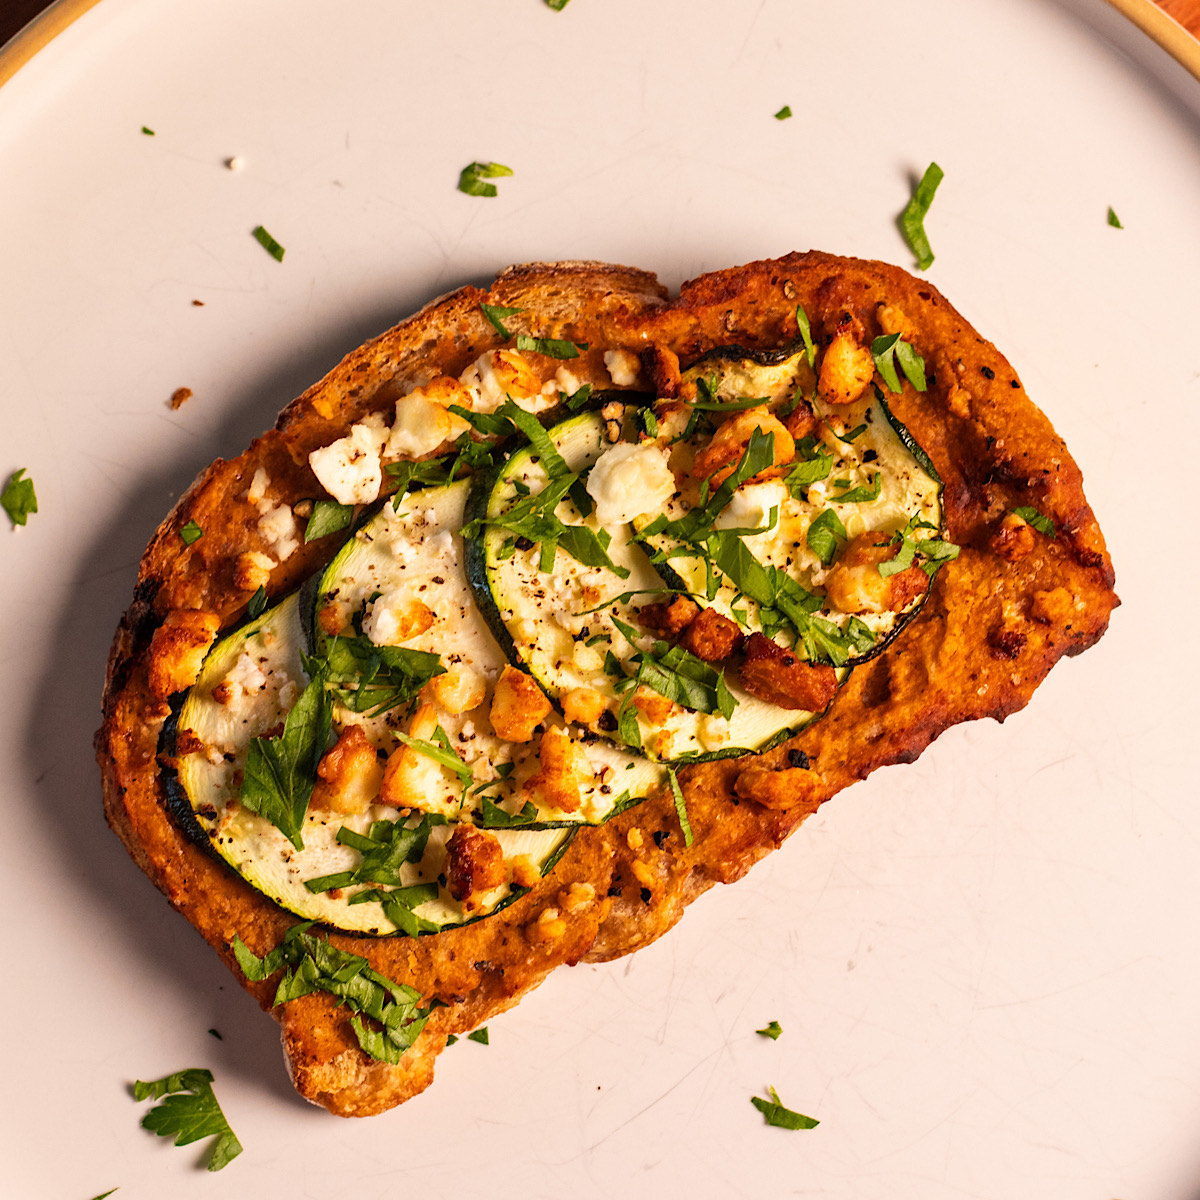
(16, 13)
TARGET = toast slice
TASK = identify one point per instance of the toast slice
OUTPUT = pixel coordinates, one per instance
(997, 619)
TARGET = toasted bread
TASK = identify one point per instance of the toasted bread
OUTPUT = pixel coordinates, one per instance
(995, 622)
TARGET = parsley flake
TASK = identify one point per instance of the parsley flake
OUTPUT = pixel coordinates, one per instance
(328, 516)
(105, 1195)
(1113, 219)
(190, 533)
(479, 1035)
(190, 1111)
(823, 535)
(471, 179)
(776, 1114)
(802, 323)
(889, 349)
(772, 1031)
(257, 605)
(18, 497)
(268, 243)
(912, 219)
(497, 314)
(784, 113)
(451, 1039)
(557, 5)
(150, 133)
(550, 347)
(280, 771)
(680, 806)
(1031, 516)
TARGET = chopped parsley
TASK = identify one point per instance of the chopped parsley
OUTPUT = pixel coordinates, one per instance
(772, 1031)
(150, 133)
(188, 1111)
(315, 965)
(784, 113)
(912, 219)
(18, 497)
(889, 349)
(1113, 219)
(680, 806)
(328, 516)
(859, 495)
(802, 323)
(372, 679)
(479, 1035)
(442, 752)
(471, 178)
(385, 848)
(280, 771)
(776, 1114)
(1040, 522)
(551, 347)
(257, 605)
(497, 315)
(823, 535)
(813, 464)
(495, 817)
(268, 243)
(557, 5)
(672, 672)
(190, 533)
(105, 1195)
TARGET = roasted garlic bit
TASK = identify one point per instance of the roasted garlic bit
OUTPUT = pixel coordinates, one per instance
(518, 706)
(458, 689)
(711, 636)
(332, 618)
(717, 460)
(177, 650)
(474, 863)
(655, 708)
(576, 898)
(802, 421)
(791, 787)
(1055, 607)
(583, 705)
(847, 366)
(252, 570)
(777, 676)
(549, 926)
(856, 586)
(524, 871)
(669, 619)
(349, 775)
(396, 617)
(564, 771)
(410, 775)
(1014, 539)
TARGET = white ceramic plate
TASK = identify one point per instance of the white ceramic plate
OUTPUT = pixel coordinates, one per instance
(984, 964)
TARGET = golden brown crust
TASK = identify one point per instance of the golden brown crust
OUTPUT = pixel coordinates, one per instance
(990, 630)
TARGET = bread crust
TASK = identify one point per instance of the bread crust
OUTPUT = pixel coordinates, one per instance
(991, 629)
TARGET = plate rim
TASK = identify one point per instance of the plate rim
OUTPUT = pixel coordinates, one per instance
(1156, 24)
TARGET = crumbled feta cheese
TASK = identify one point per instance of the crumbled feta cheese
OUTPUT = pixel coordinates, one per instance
(246, 677)
(623, 367)
(714, 731)
(257, 491)
(567, 381)
(751, 506)
(383, 617)
(277, 526)
(349, 469)
(422, 425)
(481, 380)
(629, 480)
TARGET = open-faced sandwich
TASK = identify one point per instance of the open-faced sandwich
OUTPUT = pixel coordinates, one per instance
(555, 605)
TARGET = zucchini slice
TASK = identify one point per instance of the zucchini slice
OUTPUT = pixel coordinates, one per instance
(565, 625)
(414, 551)
(869, 476)
(249, 681)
